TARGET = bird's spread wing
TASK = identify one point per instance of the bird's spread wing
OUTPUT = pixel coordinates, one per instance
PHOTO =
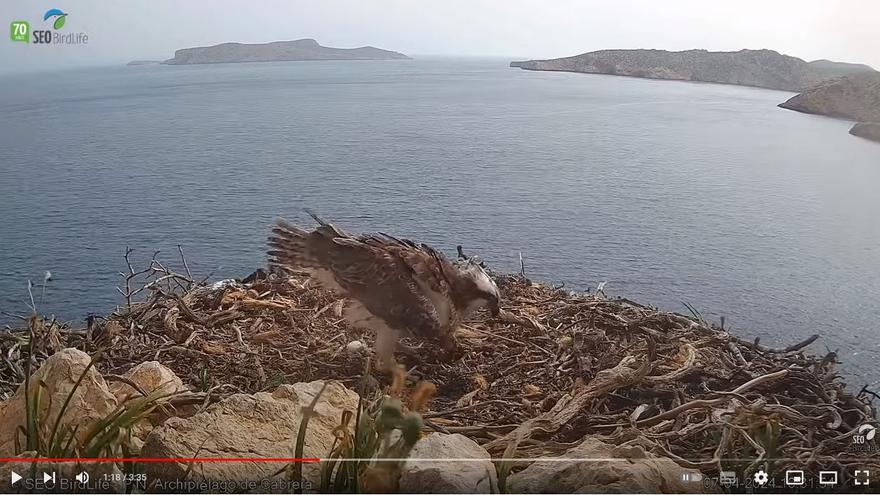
(395, 280)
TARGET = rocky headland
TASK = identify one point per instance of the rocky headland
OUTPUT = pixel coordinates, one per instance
(867, 130)
(759, 68)
(855, 97)
(836, 89)
(277, 51)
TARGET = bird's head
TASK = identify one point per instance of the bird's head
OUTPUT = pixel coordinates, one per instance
(479, 286)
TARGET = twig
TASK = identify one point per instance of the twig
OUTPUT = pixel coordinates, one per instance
(463, 409)
(792, 348)
(183, 260)
(745, 387)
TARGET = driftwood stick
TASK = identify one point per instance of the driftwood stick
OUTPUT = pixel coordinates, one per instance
(796, 347)
(463, 409)
(187, 311)
(687, 367)
(756, 346)
(745, 387)
(528, 322)
(568, 407)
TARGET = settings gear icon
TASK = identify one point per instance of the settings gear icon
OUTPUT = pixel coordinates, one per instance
(761, 478)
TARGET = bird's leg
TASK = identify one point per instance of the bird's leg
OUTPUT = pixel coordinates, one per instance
(386, 340)
(449, 345)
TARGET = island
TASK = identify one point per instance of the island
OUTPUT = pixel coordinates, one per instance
(855, 97)
(760, 68)
(835, 89)
(277, 51)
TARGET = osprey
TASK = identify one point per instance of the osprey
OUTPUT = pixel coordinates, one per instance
(393, 285)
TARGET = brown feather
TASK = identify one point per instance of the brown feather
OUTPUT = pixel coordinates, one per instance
(398, 285)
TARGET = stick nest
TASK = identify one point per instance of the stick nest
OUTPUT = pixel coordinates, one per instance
(553, 368)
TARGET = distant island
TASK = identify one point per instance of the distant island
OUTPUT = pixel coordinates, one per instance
(855, 97)
(835, 89)
(277, 51)
(759, 68)
(144, 62)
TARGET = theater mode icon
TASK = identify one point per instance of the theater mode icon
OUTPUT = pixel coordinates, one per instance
(827, 478)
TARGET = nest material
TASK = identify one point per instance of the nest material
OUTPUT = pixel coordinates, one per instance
(552, 369)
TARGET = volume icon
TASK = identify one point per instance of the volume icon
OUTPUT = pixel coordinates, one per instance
(83, 477)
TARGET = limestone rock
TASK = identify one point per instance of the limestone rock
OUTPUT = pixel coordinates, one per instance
(637, 472)
(425, 476)
(867, 130)
(91, 402)
(854, 97)
(258, 425)
(150, 376)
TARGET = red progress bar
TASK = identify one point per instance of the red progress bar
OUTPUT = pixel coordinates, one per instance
(160, 459)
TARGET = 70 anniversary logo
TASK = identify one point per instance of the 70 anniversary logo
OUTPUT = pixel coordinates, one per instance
(21, 31)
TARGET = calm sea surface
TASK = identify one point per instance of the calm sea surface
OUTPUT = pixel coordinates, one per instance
(670, 191)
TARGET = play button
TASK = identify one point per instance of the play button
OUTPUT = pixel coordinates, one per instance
(14, 478)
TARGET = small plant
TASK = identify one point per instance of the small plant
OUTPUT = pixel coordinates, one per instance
(760, 446)
(295, 469)
(369, 459)
(106, 438)
(698, 317)
(275, 381)
(505, 466)
(46, 437)
(766, 432)
(204, 379)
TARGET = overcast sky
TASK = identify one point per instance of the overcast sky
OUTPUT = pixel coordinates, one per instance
(120, 31)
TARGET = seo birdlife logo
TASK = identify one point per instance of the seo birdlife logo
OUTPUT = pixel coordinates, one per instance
(20, 31)
(863, 440)
(58, 16)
